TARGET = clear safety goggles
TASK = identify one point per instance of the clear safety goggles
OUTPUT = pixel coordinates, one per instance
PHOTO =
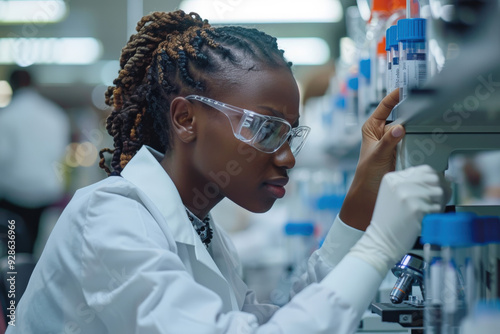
(265, 133)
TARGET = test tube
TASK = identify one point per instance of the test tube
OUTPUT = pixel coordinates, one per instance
(378, 69)
(388, 76)
(430, 239)
(458, 240)
(412, 54)
(364, 86)
(353, 115)
(394, 49)
(452, 255)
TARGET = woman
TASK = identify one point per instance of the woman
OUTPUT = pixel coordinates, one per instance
(202, 113)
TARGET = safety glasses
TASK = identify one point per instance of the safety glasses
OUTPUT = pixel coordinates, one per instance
(265, 133)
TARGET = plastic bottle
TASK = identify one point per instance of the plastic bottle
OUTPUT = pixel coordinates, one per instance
(327, 208)
(412, 55)
(300, 242)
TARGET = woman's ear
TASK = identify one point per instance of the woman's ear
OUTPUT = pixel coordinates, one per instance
(183, 120)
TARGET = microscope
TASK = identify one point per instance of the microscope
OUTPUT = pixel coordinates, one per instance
(458, 110)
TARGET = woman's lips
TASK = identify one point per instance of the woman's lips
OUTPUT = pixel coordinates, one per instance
(277, 186)
(276, 191)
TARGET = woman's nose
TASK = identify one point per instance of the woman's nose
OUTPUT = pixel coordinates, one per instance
(284, 157)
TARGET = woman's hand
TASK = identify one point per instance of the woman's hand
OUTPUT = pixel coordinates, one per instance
(377, 157)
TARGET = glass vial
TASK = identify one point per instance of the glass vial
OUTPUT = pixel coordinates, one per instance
(412, 55)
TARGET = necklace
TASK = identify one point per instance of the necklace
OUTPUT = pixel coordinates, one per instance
(202, 227)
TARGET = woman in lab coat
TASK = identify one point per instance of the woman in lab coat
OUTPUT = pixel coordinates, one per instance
(202, 113)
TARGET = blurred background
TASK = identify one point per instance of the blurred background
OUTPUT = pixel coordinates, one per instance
(71, 50)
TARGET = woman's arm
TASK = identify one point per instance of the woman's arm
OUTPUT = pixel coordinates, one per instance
(377, 157)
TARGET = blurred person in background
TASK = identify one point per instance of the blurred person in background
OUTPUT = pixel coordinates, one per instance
(34, 133)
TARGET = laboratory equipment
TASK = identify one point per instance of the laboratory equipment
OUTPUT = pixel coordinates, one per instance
(458, 237)
(433, 274)
(389, 61)
(450, 24)
(412, 55)
(410, 272)
(364, 86)
(393, 81)
(457, 110)
(378, 71)
(394, 56)
(408, 317)
(353, 117)
(375, 38)
(300, 243)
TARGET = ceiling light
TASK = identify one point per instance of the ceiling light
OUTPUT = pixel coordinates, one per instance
(265, 11)
(63, 51)
(305, 51)
(15, 11)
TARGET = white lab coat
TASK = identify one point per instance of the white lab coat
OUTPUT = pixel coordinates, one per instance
(124, 258)
(34, 133)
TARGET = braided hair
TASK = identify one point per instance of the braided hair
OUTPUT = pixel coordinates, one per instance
(172, 54)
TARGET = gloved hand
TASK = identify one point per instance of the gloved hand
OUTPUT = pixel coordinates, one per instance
(403, 200)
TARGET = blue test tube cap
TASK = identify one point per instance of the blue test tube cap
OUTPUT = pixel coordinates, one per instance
(459, 230)
(478, 232)
(387, 39)
(393, 37)
(455, 229)
(487, 307)
(304, 228)
(431, 228)
(491, 226)
(364, 68)
(411, 29)
(353, 83)
(340, 101)
(330, 202)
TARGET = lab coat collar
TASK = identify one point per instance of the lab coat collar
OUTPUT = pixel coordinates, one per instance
(145, 172)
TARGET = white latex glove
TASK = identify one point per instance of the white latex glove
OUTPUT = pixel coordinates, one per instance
(403, 200)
